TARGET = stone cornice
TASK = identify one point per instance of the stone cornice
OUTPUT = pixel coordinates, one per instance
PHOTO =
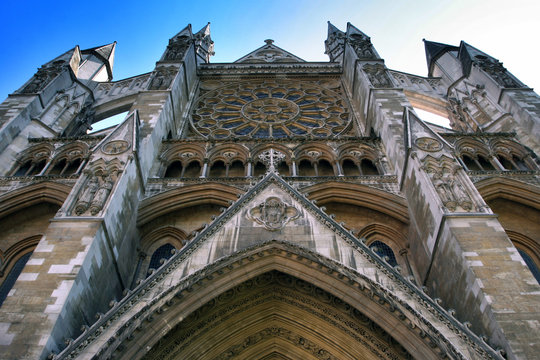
(225, 69)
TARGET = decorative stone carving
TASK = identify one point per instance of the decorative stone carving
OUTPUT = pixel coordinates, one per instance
(163, 77)
(43, 77)
(496, 70)
(177, 48)
(428, 144)
(273, 213)
(271, 109)
(82, 122)
(362, 46)
(95, 193)
(451, 192)
(377, 76)
(115, 147)
(458, 115)
(271, 158)
(334, 45)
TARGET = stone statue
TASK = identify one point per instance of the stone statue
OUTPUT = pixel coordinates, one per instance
(87, 195)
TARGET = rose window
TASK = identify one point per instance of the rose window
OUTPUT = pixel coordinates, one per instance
(269, 109)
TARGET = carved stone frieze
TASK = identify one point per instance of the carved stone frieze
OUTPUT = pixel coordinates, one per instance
(378, 76)
(273, 213)
(43, 77)
(163, 77)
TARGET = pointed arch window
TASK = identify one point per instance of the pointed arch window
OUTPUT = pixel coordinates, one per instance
(530, 264)
(163, 252)
(12, 276)
(383, 250)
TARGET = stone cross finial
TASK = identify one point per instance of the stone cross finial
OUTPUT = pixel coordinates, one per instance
(269, 41)
(271, 158)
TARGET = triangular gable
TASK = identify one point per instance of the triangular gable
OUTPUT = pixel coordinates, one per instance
(272, 214)
(269, 53)
(421, 135)
(121, 141)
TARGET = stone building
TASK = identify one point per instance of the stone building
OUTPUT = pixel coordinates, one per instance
(270, 208)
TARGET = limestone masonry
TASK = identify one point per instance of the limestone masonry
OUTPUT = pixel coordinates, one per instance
(270, 208)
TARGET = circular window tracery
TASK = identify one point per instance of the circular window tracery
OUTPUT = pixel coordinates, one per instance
(270, 109)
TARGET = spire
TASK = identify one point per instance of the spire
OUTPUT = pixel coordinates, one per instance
(469, 55)
(204, 46)
(361, 43)
(269, 53)
(334, 43)
(178, 46)
(105, 55)
(434, 50)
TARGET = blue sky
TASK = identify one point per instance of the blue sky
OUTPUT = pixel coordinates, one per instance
(35, 32)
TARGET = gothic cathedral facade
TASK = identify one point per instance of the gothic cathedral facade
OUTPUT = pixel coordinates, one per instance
(270, 208)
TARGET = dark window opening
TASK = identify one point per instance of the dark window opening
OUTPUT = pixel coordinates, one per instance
(350, 168)
(325, 169)
(193, 170)
(162, 252)
(218, 169)
(283, 169)
(174, 170)
(368, 168)
(383, 250)
(236, 169)
(530, 264)
(305, 168)
(260, 169)
(486, 165)
(12, 276)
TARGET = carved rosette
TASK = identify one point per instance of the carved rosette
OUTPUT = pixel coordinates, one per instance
(163, 77)
(43, 77)
(428, 144)
(378, 76)
(273, 213)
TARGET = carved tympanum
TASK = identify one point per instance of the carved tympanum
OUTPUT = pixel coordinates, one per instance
(273, 213)
(428, 144)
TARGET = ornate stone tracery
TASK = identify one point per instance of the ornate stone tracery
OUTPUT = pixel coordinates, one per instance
(377, 75)
(272, 109)
(43, 77)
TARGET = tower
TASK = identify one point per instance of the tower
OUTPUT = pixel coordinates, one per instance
(270, 208)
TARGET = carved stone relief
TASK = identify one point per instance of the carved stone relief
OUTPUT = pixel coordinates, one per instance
(378, 76)
(177, 48)
(362, 46)
(450, 189)
(43, 77)
(95, 193)
(273, 213)
(162, 78)
(496, 70)
(115, 147)
(428, 144)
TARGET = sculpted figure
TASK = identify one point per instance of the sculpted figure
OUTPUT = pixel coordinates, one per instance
(87, 195)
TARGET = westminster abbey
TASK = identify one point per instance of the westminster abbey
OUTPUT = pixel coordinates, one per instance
(270, 208)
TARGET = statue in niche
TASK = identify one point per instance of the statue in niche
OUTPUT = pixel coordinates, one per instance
(87, 195)
(273, 213)
(95, 194)
(362, 46)
(162, 78)
(377, 75)
(43, 77)
(101, 194)
(177, 48)
(496, 70)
